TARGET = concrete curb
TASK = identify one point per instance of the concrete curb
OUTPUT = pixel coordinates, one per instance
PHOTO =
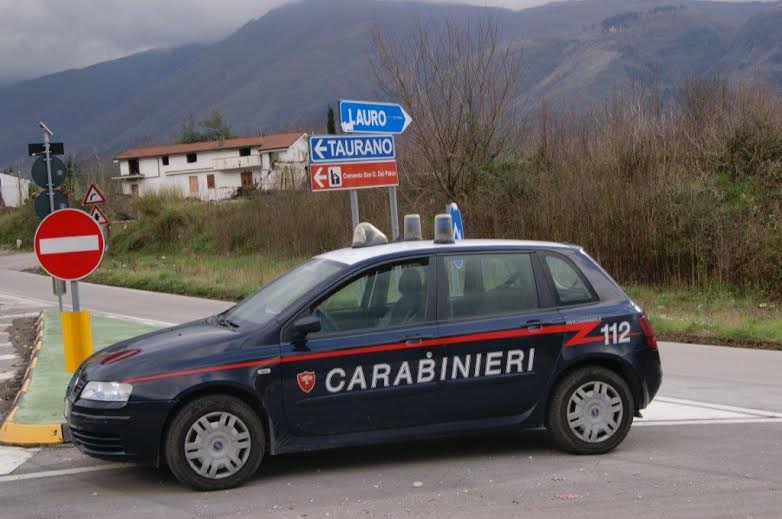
(12, 433)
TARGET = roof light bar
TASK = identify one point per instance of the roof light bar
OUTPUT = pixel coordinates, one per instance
(412, 227)
(443, 228)
(366, 235)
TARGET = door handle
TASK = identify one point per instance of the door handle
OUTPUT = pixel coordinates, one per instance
(416, 340)
(535, 324)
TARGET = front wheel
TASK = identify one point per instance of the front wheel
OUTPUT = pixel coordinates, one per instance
(591, 411)
(215, 442)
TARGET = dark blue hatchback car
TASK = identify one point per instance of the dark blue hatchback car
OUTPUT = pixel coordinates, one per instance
(374, 344)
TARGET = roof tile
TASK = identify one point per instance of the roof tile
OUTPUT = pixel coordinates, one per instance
(272, 141)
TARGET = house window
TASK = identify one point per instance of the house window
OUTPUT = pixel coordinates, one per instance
(133, 164)
(191, 157)
(244, 152)
(210, 181)
(247, 178)
(164, 158)
(193, 184)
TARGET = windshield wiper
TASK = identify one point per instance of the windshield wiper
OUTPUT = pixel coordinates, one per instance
(222, 320)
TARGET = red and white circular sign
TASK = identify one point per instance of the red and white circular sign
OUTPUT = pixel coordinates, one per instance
(69, 244)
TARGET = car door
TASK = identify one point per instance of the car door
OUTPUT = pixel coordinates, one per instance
(502, 334)
(370, 367)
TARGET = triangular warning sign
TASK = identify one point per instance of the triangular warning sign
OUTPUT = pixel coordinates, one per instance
(98, 215)
(93, 196)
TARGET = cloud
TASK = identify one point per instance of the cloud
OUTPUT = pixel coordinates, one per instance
(38, 37)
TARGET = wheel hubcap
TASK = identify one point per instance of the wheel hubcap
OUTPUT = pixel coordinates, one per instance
(217, 445)
(594, 412)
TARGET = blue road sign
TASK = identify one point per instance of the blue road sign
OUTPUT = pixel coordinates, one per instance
(370, 117)
(456, 217)
(351, 148)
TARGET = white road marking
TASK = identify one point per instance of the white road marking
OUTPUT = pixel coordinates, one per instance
(8, 357)
(6, 376)
(46, 303)
(63, 472)
(641, 423)
(677, 411)
(13, 457)
(87, 243)
(12, 316)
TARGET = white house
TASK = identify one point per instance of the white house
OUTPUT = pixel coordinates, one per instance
(13, 190)
(214, 170)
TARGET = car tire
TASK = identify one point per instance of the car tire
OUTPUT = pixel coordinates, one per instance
(590, 411)
(215, 442)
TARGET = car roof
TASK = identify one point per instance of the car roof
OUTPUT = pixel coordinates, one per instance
(351, 256)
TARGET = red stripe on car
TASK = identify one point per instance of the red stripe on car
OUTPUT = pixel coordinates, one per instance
(582, 331)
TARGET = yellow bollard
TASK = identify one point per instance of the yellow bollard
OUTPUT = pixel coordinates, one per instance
(76, 338)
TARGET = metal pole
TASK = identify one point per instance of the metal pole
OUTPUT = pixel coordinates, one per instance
(75, 296)
(354, 207)
(394, 213)
(48, 170)
(51, 198)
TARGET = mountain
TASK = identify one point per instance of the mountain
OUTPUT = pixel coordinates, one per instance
(755, 54)
(279, 71)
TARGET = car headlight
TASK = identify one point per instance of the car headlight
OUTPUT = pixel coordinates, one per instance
(106, 391)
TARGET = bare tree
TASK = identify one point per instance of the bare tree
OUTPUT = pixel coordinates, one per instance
(458, 83)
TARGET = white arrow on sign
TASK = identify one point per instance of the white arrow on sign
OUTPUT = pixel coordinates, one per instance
(408, 120)
(319, 148)
(319, 177)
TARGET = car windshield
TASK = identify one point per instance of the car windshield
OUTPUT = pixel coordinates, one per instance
(265, 304)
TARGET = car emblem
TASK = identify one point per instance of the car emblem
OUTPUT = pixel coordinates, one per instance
(306, 380)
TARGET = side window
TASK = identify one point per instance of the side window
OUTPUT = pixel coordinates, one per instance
(569, 284)
(393, 295)
(488, 284)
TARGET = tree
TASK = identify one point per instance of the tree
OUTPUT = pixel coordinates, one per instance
(458, 84)
(189, 132)
(215, 127)
(331, 126)
(212, 128)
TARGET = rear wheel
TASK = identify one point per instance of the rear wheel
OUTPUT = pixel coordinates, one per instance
(215, 442)
(591, 411)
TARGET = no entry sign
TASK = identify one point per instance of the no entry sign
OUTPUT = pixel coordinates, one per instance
(353, 175)
(69, 244)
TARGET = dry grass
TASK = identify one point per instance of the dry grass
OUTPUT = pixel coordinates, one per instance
(213, 276)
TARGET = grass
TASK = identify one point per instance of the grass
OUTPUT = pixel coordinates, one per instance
(712, 315)
(203, 275)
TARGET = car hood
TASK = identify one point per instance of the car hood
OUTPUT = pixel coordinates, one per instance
(180, 347)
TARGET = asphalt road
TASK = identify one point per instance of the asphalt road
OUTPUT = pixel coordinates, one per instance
(702, 469)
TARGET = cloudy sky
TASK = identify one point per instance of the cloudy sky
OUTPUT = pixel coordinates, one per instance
(43, 36)
(38, 37)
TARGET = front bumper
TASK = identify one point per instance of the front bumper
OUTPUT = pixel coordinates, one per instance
(118, 432)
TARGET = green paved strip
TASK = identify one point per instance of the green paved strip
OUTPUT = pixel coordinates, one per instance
(43, 401)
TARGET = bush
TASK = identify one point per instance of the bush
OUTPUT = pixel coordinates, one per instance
(18, 224)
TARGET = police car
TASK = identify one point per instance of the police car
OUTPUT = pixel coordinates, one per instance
(377, 343)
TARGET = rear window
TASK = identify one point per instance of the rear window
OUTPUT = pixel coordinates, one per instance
(570, 285)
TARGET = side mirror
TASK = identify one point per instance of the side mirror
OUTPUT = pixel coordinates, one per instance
(306, 325)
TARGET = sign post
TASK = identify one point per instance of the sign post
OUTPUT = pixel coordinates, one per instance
(351, 162)
(69, 245)
(376, 118)
(49, 182)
